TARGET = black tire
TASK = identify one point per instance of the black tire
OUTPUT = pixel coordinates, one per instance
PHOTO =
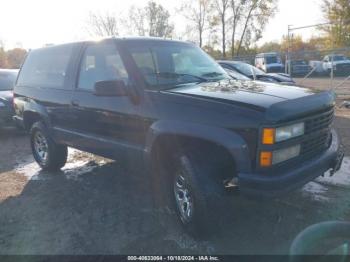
(56, 155)
(202, 191)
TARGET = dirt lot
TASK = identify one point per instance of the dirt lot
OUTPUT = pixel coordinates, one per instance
(98, 206)
(341, 85)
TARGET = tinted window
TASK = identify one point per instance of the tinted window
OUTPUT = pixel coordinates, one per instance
(247, 69)
(271, 60)
(339, 58)
(101, 62)
(299, 62)
(46, 67)
(7, 80)
(235, 75)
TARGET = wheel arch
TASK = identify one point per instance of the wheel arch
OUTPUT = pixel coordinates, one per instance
(32, 113)
(188, 134)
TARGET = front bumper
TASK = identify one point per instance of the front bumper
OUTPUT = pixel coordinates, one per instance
(279, 184)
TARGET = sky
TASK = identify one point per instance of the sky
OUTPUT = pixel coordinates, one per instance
(34, 23)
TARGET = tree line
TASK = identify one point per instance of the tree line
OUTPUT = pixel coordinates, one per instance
(225, 28)
(232, 24)
(12, 58)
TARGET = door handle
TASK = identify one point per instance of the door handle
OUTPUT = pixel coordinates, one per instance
(75, 103)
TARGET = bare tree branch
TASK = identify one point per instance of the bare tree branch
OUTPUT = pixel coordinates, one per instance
(102, 25)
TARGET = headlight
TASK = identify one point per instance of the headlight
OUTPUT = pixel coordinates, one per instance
(2, 104)
(268, 158)
(288, 132)
(285, 154)
(273, 135)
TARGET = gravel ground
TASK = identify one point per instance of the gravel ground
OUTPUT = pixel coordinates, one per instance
(98, 206)
(341, 85)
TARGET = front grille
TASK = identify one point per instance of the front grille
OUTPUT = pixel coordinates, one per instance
(275, 69)
(343, 67)
(317, 136)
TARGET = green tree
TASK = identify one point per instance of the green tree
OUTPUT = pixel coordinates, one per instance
(337, 12)
(270, 47)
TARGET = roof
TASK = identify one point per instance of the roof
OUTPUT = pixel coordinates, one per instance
(131, 39)
(4, 70)
(268, 54)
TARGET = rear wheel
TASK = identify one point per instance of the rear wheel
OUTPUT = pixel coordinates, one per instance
(48, 154)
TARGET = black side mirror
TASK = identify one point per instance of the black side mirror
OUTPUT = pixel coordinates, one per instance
(110, 88)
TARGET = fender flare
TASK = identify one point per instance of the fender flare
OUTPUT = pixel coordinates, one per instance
(34, 108)
(229, 140)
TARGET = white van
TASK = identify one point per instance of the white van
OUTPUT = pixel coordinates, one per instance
(269, 62)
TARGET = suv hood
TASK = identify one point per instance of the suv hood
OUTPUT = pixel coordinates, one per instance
(278, 102)
(259, 95)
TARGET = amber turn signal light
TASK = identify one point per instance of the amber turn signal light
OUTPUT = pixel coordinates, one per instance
(265, 159)
(268, 136)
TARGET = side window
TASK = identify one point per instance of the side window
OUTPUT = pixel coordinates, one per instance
(145, 60)
(46, 67)
(101, 62)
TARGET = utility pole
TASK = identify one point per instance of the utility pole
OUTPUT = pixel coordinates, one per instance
(288, 51)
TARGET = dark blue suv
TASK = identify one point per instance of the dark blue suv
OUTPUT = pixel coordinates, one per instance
(200, 134)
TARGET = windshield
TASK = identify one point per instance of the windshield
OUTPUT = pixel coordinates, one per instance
(237, 76)
(339, 58)
(165, 64)
(247, 69)
(7, 80)
(272, 59)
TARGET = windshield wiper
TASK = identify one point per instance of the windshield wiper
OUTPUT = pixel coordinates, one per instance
(177, 75)
(213, 74)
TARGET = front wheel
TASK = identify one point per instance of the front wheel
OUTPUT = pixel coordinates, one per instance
(49, 155)
(193, 194)
(184, 198)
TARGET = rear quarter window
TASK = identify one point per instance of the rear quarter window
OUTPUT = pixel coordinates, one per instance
(46, 67)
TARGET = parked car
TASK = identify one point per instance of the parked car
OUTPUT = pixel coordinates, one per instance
(199, 133)
(269, 62)
(299, 67)
(236, 75)
(7, 82)
(341, 64)
(317, 66)
(255, 73)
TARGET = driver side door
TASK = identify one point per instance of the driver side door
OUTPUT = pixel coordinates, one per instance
(106, 125)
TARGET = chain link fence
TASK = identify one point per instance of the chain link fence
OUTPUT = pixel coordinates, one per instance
(319, 69)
